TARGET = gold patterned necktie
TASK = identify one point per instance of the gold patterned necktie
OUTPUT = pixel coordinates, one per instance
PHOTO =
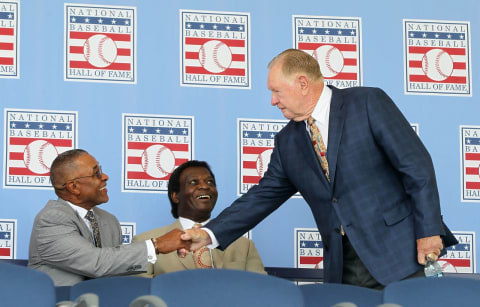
(201, 257)
(319, 146)
(96, 231)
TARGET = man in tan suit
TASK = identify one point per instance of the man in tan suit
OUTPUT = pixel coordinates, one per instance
(193, 193)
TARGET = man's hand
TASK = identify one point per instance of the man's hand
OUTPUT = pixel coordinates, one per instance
(428, 245)
(172, 241)
(198, 239)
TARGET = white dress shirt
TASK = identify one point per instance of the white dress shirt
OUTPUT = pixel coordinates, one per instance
(321, 114)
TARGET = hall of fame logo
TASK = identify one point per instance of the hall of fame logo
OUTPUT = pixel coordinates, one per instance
(336, 44)
(437, 57)
(128, 231)
(33, 139)
(215, 49)
(153, 146)
(9, 39)
(255, 145)
(470, 163)
(100, 43)
(308, 248)
(460, 258)
(8, 239)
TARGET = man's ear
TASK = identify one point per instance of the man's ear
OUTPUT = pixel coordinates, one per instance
(302, 81)
(175, 197)
(72, 188)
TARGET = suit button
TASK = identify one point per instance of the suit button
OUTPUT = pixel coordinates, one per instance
(334, 200)
(337, 230)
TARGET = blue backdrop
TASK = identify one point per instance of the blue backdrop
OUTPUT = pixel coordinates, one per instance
(155, 88)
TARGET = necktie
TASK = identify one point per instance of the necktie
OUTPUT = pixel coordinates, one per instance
(201, 257)
(321, 152)
(319, 146)
(96, 231)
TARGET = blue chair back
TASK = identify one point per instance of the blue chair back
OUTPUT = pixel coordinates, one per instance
(438, 292)
(115, 291)
(210, 287)
(23, 286)
(327, 295)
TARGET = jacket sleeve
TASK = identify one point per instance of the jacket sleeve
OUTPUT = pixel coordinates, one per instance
(61, 244)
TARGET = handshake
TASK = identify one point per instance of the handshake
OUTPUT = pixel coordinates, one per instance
(182, 241)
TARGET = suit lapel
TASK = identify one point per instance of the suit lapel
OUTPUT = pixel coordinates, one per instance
(217, 258)
(308, 152)
(336, 121)
(187, 262)
(84, 230)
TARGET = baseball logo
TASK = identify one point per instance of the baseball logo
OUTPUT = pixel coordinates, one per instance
(263, 160)
(39, 155)
(158, 161)
(100, 50)
(215, 56)
(330, 60)
(447, 267)
(437, 64)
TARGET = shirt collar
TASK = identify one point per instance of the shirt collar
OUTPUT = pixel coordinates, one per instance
(81, 211)
(321, 111)
(188, 223)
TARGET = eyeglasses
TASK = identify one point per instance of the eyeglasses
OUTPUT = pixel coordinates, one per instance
(98, 173)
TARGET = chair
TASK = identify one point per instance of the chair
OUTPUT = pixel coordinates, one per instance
(320, 295)
(438, 292)
(23, 286)
(113, 291)
(62, 293)
(210, 287)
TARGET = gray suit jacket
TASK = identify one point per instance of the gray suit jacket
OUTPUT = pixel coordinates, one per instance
(62, 246)
(240, 255)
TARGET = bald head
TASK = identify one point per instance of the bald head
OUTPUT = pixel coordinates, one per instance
(63, 165)
(295, 61)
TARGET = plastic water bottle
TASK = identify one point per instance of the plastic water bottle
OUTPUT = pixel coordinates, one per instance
(432, 268)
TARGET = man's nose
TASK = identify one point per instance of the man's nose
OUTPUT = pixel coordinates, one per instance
(274, 100)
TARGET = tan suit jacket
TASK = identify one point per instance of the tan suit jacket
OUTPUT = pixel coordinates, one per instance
(240, 255)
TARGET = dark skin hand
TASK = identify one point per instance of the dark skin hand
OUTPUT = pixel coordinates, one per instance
(171, 241)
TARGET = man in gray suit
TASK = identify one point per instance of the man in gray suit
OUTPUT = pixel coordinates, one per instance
(70, 245)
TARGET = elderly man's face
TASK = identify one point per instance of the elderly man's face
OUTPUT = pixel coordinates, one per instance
(90, 181)
(198, 192)
(286, 93)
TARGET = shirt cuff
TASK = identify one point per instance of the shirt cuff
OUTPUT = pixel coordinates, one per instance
(215, 243)
(152, 257)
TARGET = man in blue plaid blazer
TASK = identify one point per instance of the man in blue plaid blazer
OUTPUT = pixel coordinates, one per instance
(379, 214)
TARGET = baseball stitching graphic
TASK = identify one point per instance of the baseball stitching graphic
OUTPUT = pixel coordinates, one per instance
(158, 161)
(100, 50)
(330, 60)
(437, 64)
(39, 155)
(447, 267)
(263, 160)
(215, 56)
